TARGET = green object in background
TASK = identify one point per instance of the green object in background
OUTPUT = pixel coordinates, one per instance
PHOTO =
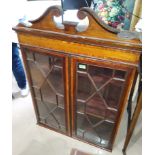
(115, 13)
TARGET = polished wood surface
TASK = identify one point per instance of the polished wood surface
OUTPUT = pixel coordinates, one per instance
(60, 92)
(42, 69)
(133, 121)
(127, 57)
(124, 96)
(97, 32)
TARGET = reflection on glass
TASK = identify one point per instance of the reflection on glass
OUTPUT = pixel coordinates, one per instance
(100, 75)
(29, 55)
(85, 88)
(36, 76)
(97, 102)
(48, 85)
(111, 93)
(58, 61)
(120, 74)
(56, 79)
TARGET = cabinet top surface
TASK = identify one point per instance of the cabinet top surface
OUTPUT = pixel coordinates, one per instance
(97, 32)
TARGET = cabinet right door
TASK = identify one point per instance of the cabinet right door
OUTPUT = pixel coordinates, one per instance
(99, 91)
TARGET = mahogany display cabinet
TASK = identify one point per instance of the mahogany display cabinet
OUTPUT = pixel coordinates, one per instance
(80, 81)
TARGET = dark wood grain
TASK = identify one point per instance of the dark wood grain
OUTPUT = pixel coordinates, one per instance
(98, 46)
(98, 33)
(125, 94)
(65, 71)
(133, 120)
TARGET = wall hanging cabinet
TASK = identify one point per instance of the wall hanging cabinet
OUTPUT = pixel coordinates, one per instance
(80, 80)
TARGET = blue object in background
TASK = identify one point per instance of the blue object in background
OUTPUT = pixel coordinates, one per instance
(17, 67)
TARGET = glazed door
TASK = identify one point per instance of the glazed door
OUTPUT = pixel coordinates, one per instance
(97, 101)
(47, 77)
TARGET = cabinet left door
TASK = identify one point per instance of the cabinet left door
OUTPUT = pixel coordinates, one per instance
(47, 75)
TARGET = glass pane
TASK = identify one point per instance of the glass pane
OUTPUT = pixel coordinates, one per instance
(37, 93)
(104, 130)
(59, 113)
(94, 130)
(85, 87)
(111, 115)
(58, 61)
(112, 93)
(52, 122)
(36, 75)
(98, 93)
(60, 100)
(43, 112)
(29, 55)
(43, 62)
(48, 94)
(120, 74)
(56, 79)
(96, 106)
(80, 107)
(100, 75)
(48, 85)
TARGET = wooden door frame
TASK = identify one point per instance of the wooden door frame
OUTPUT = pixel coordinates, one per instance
(49, 52)
(126, 91)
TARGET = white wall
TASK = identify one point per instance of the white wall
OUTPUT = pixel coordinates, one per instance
(31, 9)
